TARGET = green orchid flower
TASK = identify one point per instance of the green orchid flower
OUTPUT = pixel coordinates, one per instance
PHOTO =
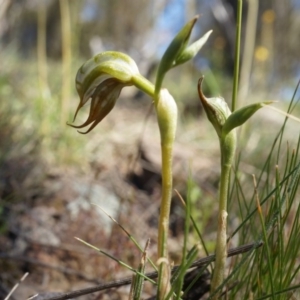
(102, 79)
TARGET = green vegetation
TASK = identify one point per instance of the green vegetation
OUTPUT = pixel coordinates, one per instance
(103, 77)
(256, 188)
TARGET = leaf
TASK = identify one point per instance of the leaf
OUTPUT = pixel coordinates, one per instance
(240, 116)
(192, 50)
(175, 48)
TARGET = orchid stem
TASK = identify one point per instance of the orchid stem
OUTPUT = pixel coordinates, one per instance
(143, 84)
(166, 152)
(163, 227)
(227, 145)
(166, 110)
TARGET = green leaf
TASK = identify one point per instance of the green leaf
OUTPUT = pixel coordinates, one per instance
(175, 48)
(192, 50)
(240, 116)
(139, 280)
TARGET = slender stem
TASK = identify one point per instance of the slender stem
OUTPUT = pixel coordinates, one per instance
(227, 145)
(66, 59)
(166, 152)
(42, 67)
(42, 51)
(166, 110)
(144, 84)
(249, 46)
(265, 236)
(237, 54)
(221, 249)
(163, 226)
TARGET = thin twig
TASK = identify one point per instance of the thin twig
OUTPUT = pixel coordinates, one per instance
(32, 297)
(128, 280)
(16, 286)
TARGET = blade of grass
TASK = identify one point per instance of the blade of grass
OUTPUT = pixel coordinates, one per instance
(280, 231)
(289, 110)
(277, 139)
(128, 235)
(200, 273)
(180, 280)
(138, 282)
(250, 215)
(195, 226)
(66, 59)
(182, 271)
(259, 210)
(292, 288)
(254, 246)
(131, 292)
(115, 259)
(237, 55)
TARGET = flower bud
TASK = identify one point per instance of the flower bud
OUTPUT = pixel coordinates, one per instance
(178, 52)
(216, 109)
(191, 51)
(220, 115)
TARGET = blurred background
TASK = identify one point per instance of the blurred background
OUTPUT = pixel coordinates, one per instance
(50, 174)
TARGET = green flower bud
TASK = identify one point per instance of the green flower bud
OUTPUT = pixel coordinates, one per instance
(178, 53)
(216, 109)
(191, 51)
(220, 115)
(176, 47)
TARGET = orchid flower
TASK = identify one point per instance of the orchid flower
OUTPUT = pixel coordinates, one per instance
(102, 79)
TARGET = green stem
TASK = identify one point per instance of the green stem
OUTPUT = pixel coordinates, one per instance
(166, 152)
(221, 248)
(66, 59)
(143, 84)
(237, 54)
(166, 110)
(227, 145)
(164, 219)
